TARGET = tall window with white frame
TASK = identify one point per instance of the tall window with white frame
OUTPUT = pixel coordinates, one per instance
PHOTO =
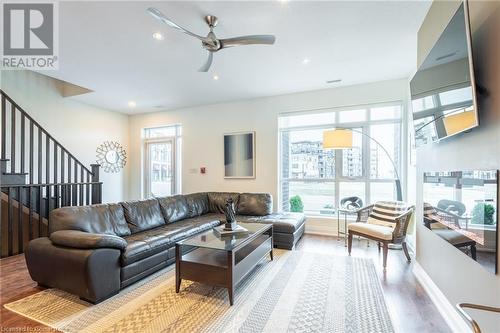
(320, 178)
(162, 159)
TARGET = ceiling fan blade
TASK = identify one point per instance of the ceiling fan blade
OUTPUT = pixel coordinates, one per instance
(247, 40)
(159, 15)
(207, 65)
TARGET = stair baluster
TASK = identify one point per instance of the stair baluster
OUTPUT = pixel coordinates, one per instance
(20, 240)
(31, 161)
(12, 139)
(28, 196)
(4, 126)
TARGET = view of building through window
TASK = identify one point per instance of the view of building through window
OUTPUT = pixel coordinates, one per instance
(322, 177)
(161, 151)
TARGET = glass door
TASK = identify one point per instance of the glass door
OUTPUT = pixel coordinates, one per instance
(160, 167)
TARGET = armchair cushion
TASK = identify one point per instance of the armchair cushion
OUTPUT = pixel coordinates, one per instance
(85, 240)
(453, 237)
(385, 213)
(373, 230)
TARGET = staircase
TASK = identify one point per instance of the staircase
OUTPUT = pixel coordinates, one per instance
(37, 175)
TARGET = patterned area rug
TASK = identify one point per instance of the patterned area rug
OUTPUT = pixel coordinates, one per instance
(297, 292)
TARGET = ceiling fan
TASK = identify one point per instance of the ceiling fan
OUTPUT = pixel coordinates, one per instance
(211, 43)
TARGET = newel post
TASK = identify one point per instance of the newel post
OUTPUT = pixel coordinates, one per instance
(96, 188)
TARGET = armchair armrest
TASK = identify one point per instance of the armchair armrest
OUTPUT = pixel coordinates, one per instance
(402, 222)
(409, 211)
(86, 240)
(364, 213)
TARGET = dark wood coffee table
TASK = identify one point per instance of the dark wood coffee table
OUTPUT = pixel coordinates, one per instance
(225, 261)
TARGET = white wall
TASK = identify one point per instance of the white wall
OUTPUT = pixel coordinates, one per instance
(456, 275)
(203, 128)
(80, 128)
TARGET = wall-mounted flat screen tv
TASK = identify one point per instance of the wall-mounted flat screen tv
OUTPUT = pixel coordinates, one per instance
(443, 89)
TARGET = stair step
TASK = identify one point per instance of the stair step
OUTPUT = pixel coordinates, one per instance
(4, 159)
(15, 173)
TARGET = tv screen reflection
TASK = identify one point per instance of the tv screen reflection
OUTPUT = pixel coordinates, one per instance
(461, 208)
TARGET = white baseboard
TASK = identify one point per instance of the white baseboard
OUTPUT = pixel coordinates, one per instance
(456, 323)
(319, 225)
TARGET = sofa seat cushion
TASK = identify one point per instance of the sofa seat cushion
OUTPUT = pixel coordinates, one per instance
(189, 227)
(150, 242)
(284, 222)
(143, 215)
(373, 230)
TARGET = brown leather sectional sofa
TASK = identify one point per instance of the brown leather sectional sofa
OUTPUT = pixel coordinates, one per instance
(94, 251)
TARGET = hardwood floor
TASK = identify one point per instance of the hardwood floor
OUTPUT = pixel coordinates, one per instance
(410, 307)
(16, 283)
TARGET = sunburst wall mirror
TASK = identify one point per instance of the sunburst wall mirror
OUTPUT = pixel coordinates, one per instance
(111, 156)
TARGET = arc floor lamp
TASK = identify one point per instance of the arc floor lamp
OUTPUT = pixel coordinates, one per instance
(341, 138)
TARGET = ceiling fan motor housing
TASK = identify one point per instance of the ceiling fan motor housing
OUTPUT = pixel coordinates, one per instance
(211, 44)
(211, 21)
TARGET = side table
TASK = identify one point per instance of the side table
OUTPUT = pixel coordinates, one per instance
(346, 213)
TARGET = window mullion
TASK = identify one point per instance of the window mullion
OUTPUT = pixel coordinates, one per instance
(367, 162)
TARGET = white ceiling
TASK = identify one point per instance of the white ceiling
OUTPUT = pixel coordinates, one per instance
(108, 48)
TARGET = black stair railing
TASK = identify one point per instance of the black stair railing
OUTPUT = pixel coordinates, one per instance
(38, 175)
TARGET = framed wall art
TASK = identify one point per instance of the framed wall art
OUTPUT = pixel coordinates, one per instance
(239, 155)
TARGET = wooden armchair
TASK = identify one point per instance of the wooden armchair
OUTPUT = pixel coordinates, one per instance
(385, 222)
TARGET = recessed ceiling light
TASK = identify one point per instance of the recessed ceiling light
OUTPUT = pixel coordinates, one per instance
(216, 77)
(158, 36)
(132, 104)
(306, 61)
(334, 81)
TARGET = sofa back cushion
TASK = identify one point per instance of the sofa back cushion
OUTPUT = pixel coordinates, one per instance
(174, 208)
(197, 203)
(143, 214)
(100, 219)
(217, 201)
(255, 204)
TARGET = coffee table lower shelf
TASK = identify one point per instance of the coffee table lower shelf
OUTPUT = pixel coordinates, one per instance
(222, 268)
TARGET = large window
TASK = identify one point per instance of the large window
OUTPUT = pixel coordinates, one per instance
(321, 178)
(162, 147)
